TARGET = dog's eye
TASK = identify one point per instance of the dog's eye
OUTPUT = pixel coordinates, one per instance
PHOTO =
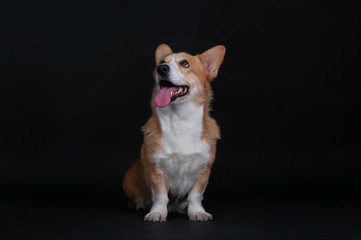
(161, 62)
(184, 63)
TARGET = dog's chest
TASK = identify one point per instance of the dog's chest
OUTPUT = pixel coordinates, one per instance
(184, 152)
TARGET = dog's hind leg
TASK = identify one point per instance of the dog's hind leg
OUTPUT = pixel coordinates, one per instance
(135, 189)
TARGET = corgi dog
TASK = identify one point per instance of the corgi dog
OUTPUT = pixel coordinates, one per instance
(179, 144)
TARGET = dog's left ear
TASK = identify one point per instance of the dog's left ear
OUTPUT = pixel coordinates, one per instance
(161, 52)
(212, 60)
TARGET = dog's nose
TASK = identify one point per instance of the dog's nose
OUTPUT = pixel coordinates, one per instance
(163, 69)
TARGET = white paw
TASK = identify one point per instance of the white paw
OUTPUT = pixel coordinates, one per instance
(155, 217)
(200, 216)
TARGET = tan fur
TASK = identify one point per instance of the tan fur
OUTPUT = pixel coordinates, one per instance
(144, 175)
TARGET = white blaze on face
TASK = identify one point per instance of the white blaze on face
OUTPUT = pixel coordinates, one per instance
(175, 75)
(176, 87)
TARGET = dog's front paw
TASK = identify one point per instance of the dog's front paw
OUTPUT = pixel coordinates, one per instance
(156, 217)
(199, 216)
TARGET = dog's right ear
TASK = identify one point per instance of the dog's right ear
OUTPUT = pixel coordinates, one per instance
(212, 60)
(161, 52)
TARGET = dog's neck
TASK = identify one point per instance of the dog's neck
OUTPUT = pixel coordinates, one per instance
(182, 123)
(186, 111)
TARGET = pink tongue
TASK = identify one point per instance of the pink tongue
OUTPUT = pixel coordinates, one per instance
(162, 99)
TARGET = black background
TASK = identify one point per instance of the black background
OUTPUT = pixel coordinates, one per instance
(76, 82)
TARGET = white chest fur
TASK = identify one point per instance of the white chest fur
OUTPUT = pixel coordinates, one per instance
(184, 152)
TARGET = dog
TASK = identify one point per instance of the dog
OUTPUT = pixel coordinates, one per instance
(179, 144)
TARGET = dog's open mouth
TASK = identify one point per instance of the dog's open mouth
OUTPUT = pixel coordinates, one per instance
(169, 92)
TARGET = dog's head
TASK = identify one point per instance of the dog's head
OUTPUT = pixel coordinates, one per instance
(182, 77)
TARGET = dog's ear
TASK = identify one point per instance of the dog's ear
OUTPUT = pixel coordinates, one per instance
(161, 52)
(212, 60)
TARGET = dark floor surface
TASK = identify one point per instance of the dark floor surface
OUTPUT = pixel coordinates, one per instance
(84, 212)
